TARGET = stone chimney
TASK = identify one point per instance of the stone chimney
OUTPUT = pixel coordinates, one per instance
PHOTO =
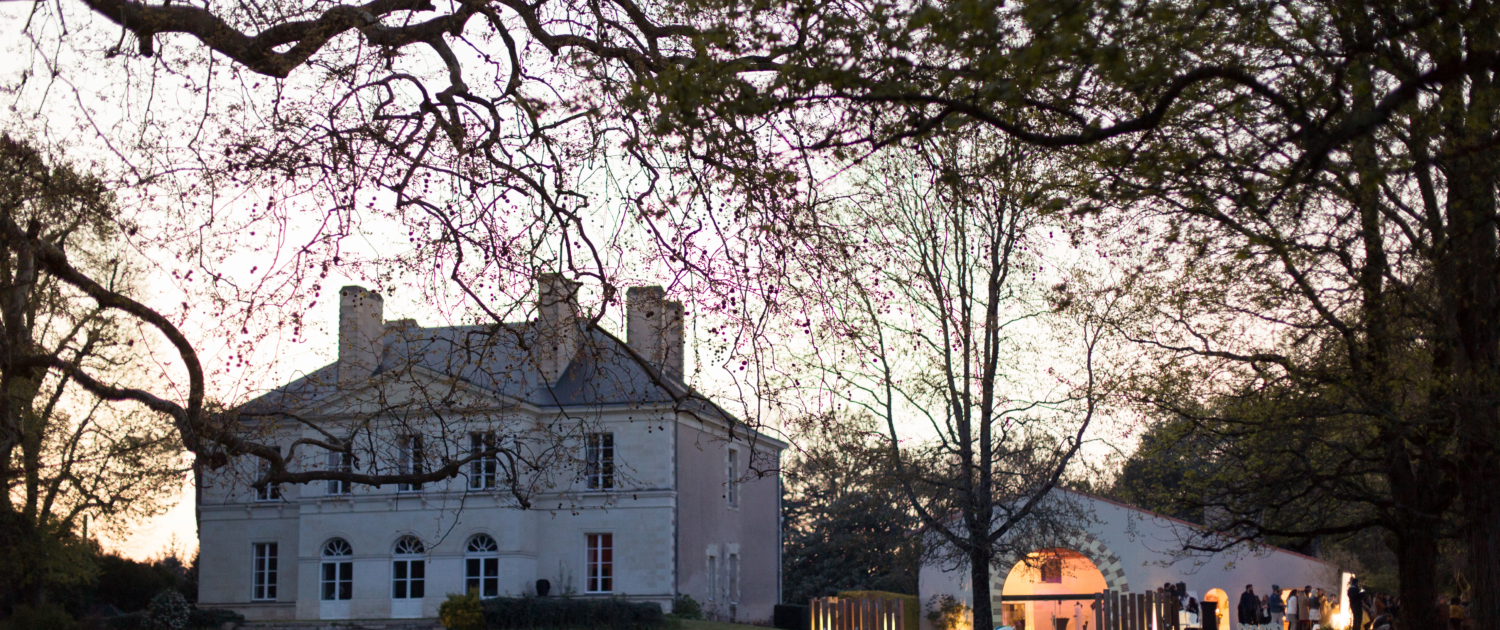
(653, 329)
(558, 335)
(360, 330)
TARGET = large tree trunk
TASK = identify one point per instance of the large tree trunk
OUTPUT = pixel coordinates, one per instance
(1416, 566)
(1482, 511)
(1472, 301)
(980, 557)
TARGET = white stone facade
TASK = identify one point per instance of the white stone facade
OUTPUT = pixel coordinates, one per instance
(669, 505)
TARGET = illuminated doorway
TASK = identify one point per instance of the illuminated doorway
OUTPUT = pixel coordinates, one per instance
(1059, 572)
(1220, 609)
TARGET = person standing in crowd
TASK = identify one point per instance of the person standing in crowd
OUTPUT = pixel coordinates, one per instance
(1305, 608)
(1455, 613)
(1189, 605)
(1249, 609)
(1278, 609)
(1316, 601)
(1356, 603)
(1292, 616)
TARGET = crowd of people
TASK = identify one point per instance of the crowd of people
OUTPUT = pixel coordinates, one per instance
(1305, 608)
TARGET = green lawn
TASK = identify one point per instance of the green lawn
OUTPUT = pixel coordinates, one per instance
(694, 624)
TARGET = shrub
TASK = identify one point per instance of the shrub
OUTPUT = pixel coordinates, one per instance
(947, 613)
(168, 611)
(911, 607)
(129, 585)
(129, 621)
(462, 612)
(685, 607)
(44, 617)
(791, 617)
(212, 618)
(524, 613)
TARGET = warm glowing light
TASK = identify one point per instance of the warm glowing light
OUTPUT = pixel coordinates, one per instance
(1340, 620)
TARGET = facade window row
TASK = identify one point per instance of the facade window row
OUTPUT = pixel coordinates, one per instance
(409, 568)
(483, 472)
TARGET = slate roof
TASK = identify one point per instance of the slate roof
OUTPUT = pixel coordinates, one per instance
(492, 359)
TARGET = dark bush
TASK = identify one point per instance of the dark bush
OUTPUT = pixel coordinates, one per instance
(212, 618)
(685, 607)
(791, 617)
(524, 613)
(44, 617)
(130, 585)
(130, 621)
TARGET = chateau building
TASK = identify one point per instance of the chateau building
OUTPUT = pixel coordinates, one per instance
(616, 480)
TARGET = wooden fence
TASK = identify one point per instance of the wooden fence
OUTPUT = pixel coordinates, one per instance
(1114, 610)
(833, 613)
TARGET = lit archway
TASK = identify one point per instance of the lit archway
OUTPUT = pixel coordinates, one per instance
(1061, 572)
(1220, 602)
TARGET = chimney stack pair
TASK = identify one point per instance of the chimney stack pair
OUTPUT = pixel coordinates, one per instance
(654, 329)
(653, 326)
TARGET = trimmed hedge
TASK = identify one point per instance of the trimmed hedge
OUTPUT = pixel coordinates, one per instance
(198, 618)
(911, 607)
(525, 613)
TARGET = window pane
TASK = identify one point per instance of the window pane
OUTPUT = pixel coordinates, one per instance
(400, 569)
(417, 589)
(346, 590)
(346, 571)
(491, 567)
(398, 589)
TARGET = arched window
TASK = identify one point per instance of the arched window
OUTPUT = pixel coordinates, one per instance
(409, 569)
(482, 566)
(338, 570)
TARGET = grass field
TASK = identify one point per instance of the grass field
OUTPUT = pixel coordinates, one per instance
(693, 624)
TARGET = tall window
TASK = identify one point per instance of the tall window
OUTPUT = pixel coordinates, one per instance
(339, 462)
(600, 568)
(599, 461)
(733, 594)
(713, 577)
(482, 566)
(409, 569)
(733, 493)
(264, 578)
(338, 570)
(270, 491)
(409, 461)
(482, 470)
